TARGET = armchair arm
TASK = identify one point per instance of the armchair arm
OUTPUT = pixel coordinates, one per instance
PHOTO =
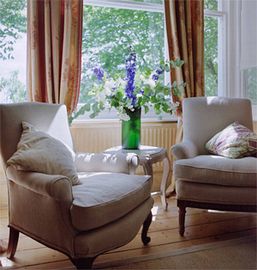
(55, 186)
(183, 150)
(106, 162)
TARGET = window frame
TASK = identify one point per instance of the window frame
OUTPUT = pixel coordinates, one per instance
(126, 4)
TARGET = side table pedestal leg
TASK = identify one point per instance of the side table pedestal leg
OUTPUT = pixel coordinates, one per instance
(166, 171)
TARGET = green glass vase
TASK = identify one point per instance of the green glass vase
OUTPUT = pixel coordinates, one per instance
(131, 130)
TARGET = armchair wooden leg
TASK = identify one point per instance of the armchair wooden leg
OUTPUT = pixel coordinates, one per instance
(13, 242)
(182, 214)
(83, 263)
(146, 239)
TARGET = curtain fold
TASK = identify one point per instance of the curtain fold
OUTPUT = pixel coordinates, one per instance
(185, 28)
(185, 34)
(54, 50)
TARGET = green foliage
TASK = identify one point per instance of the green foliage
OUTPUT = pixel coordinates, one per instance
(13, 22)
(211, 4)
(211, 56)
(12, 89)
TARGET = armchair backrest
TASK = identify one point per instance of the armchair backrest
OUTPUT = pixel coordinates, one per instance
(203, 117)
(49, 118)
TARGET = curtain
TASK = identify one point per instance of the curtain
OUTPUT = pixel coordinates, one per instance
(185, 28)
(185, 34)
(54, 51)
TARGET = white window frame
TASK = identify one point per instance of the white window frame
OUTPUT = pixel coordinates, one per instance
(126, 4)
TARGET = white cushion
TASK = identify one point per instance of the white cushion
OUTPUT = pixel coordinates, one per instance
(39, 152)
(105, 197)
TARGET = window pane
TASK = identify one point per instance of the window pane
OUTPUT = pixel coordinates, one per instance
(107, 37)
(211, 55)
(250, 84)
(211, 4)
(12, 51)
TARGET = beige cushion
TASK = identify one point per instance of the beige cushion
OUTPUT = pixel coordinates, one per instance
(39, 152)
(105, 197)
(210, 169)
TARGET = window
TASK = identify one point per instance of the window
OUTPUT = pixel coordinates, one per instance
(213, 48)
(12, 48)
(110, 28)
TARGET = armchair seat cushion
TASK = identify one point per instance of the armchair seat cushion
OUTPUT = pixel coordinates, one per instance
(217, 170)
(104, 197)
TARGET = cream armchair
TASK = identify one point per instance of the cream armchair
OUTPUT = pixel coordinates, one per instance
(82, 221)
(210, 181)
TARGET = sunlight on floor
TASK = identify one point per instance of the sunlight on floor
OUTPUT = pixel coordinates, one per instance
(155, 212)
(4, 262)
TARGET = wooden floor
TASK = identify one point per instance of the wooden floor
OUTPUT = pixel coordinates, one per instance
(202, 227)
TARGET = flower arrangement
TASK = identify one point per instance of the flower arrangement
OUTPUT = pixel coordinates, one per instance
(134, 91)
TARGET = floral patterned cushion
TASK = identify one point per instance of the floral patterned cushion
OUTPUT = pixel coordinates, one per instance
(235, 141)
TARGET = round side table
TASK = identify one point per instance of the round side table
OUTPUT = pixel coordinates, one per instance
(148, 155)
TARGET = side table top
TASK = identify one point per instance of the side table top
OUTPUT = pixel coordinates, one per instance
(144, 151)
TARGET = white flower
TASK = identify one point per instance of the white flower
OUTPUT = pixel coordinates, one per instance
(123, 116)
(108, 87)
(121, 82)
(150, 82)
(131, 108)
(141, 77)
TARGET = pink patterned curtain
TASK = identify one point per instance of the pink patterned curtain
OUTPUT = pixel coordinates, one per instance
(185, 34)
(54, 51)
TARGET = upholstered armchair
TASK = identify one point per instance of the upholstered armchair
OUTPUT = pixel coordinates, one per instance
(103, 210)
(208, 181)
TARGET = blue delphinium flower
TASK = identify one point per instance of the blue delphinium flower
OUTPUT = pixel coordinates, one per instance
(130, 77)
(99, 73)
(155, 77)
(159, 71)
(157, 74)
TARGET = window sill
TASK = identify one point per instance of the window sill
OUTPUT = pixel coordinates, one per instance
(106, 122)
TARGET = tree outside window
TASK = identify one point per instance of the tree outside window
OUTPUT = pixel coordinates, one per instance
(12, 44)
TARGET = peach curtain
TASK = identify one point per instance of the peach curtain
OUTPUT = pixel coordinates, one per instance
(54, 51)
(185, 33)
